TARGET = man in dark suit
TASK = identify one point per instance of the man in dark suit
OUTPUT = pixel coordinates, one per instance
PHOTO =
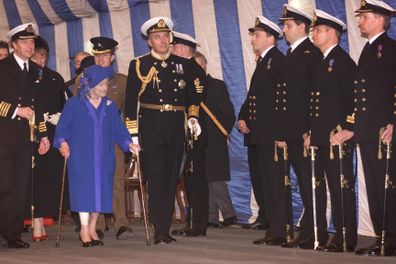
(292, 116)
(255, 116)
(373, 115)
(162, 85)
(19, 81)
(330, 104)
(217, 164)
(195, 181)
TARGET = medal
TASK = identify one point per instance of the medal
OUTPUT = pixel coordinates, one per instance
(164, 64)
(269, 64)
(330, 68)
(379, 51)
(182, 84)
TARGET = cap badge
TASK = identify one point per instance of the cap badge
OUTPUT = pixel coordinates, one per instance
(285, 11)
(257, 22)
(100, 45)
(29, 28)
(161, 23)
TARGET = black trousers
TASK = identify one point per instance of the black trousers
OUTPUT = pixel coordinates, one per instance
(374, 174)
(15, 164)
(162, 139)
(197, 189)
(325, 167)
(256, 178)
(302, 168)
(270, 175)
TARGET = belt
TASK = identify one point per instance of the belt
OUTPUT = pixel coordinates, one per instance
(163, 107)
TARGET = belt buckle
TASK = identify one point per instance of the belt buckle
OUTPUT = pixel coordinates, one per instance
(167, 107)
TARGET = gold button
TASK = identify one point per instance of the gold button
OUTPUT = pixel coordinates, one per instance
(312, 93)
(32, 99)
(19, 105)
(364, 109)
(310, 107)
(284, 108)
(277, 100)
(284, 84)
(277, 92)
(310, 114)
(364, 99)
(254, 97)
(20, 98)
(175, 89)
(355, 91)
(276, 108)
(254, 118)
(317, 107)
(19, 118)
(279, 85)
(355, 100)
(173, 71)
(155, 63)
(250, 97)
(250, 118)
(254, 111)
(161, 100)
(311, 100)
(250, 110)
(355, 82)
(363, 80)
(250, 104)
(317, 93)
(175, 80)
(284, 100)
(175, 99)
(254, 104)
(363, 90)
(355, 109)
(284, 92)
(316, 114)
(317, 100)
(32, 106)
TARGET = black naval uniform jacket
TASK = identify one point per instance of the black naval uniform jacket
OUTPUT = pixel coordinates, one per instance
(172, 84)
(217, 164)
(332, 97)
(259, 107)
(18, 92)
(293, 92)
(375, 89)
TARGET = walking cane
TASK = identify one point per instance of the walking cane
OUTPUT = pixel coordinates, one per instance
(313, 179)
(143, 197)
(58, 233)
(289, 208)
(388, 185)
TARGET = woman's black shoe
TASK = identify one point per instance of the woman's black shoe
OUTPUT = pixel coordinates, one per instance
(97, 243)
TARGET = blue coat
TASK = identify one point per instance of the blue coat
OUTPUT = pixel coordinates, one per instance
(91, 134)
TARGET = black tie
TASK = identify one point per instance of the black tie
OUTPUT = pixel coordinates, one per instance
(258, 60)
(25, 68)
(288, 52)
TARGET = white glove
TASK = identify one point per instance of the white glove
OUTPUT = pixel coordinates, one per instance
(134, 147)
(45, 115)
(53, 119)
(194, 126)
(135, 140)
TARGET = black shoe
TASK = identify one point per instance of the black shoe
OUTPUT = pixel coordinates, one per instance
(100, 233)
(262, 241)
(213, 225)
(85, 244)
(292, 244)
(338, 248)
(124, 233)
(97, 243)
(229, 221)
(16, 243)
(310, 244)
(375, 250)
(164, 239)
(255, 226)
(275, 241)
(186, 232)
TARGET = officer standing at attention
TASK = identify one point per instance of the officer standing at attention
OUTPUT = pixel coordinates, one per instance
(255, 117)
(160, 92)
(104, 55)
(292, 116)
(330, 104)
(373, 114)
(19, 82)
(197, 189)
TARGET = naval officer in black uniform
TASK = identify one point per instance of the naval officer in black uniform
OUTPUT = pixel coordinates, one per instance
(374, 108)
(292, 116)
(197, 190)
(330, 104)
(255, 116)
(163, 87)
(19, 82)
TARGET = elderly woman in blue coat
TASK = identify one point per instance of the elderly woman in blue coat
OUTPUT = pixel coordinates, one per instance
(88, 128)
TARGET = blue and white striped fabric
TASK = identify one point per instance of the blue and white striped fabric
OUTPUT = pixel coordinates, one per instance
(220, 26)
